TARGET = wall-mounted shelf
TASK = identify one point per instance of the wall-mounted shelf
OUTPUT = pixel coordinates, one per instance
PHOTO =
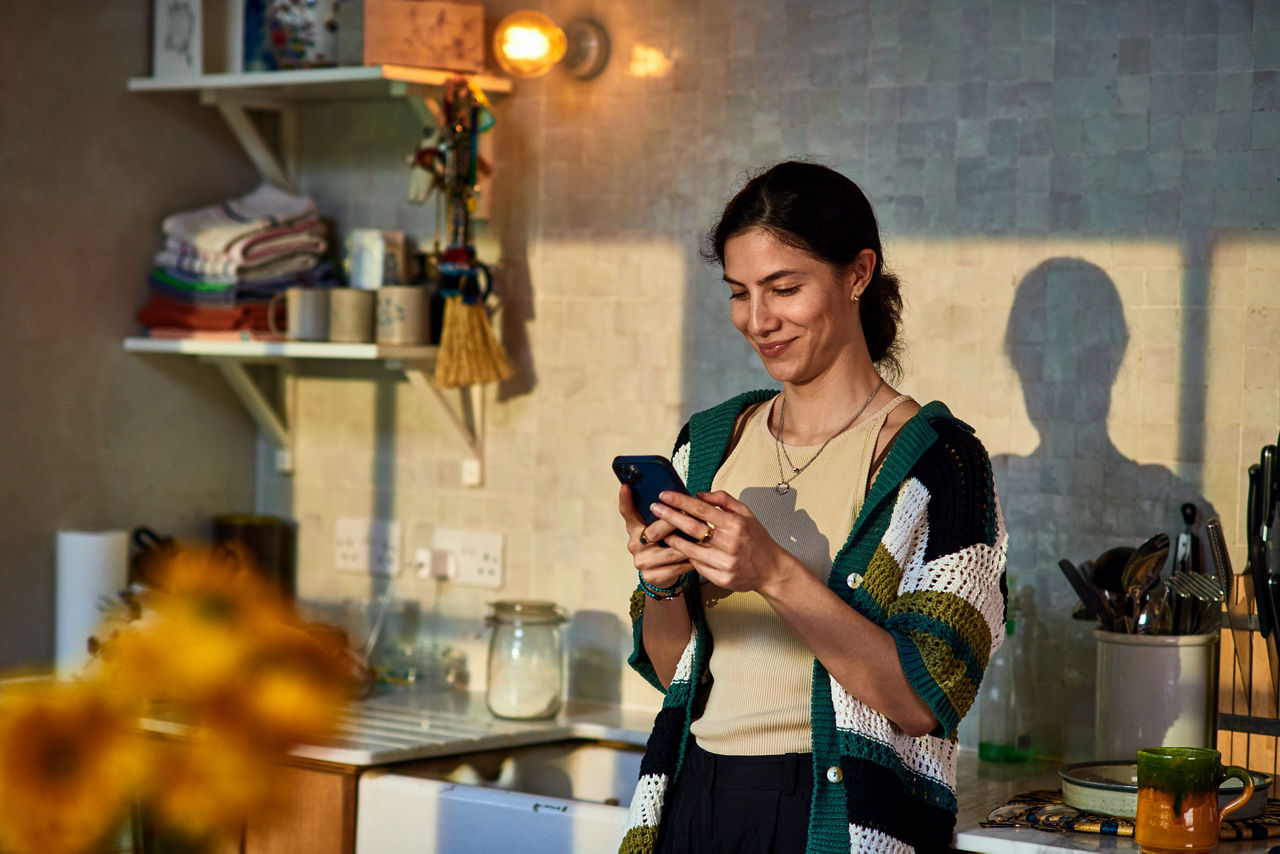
(237, 95)
(320, 84)
(230, 357)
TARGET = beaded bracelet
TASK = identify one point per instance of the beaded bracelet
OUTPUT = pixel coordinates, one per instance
(661, 593)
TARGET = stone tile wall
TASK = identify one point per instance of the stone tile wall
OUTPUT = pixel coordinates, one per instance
(1082, 201)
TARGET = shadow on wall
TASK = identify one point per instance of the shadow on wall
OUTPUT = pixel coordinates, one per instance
(598, 643)
(1076, 494)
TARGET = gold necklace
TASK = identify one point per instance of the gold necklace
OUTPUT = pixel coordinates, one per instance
(780, 450)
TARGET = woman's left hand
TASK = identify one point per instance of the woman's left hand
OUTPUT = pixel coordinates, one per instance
(734, 551)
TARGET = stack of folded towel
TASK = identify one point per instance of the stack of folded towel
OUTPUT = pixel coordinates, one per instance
(221, 265)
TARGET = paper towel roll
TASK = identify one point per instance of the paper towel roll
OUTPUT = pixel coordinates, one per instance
(91, 565)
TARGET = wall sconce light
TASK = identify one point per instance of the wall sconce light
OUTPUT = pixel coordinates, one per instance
(528, 43)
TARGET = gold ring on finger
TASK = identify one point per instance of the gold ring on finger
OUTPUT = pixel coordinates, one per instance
(644, 541)
(706, 538)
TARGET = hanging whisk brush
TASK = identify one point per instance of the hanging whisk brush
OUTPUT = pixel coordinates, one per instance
(469, 353)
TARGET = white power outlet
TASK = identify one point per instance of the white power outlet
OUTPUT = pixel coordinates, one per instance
(477, 556)
(367, 545)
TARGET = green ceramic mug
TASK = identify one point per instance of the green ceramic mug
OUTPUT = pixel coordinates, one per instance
(1178, 799)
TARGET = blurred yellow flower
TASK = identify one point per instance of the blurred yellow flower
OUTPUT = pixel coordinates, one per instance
(208, 786)
(69, 766)
(214, 649)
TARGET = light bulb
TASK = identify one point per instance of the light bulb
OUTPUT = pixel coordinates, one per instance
(528, 43)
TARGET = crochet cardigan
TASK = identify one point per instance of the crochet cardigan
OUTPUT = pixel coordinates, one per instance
(925, 561)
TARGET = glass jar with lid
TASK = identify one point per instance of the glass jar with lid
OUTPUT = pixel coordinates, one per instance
(526, 662)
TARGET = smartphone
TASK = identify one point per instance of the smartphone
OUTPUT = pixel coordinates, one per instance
(648, 476)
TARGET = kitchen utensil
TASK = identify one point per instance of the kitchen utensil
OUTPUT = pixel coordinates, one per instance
(1186, 554)
(1238, 607)
(269, 544)
(1256, 567)
(1106, 615)
(1261, 493)
(1086, 591)
(1111, 788)
(149, 549)
(1202, 598)
(1108, 569)
(1115, 609)
(1155, 610)
(1140, 571)
(1267, 497)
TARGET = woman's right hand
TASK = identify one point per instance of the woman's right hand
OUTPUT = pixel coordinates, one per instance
(661, 566)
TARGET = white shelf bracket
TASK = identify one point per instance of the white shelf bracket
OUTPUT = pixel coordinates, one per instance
(472, 438)
(279, 168)
(263, 412)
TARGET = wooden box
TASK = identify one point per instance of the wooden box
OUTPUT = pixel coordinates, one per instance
(424, 33)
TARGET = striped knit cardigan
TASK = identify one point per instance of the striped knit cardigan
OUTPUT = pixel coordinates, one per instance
(925, 561)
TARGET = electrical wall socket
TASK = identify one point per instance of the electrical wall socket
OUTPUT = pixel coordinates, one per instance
(477, 556)
(366, 545)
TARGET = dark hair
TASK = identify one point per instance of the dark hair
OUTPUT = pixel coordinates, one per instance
(823, 213)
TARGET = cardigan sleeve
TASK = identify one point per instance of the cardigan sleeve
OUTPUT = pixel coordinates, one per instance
(948, 542)
(639, 658)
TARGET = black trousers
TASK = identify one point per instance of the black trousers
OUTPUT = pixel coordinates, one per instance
(739, 805)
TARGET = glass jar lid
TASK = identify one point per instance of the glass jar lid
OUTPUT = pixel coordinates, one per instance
(527, 611)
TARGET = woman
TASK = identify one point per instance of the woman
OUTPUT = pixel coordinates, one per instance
(847, 560)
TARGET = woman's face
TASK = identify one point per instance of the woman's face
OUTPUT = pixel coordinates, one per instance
(797, 311)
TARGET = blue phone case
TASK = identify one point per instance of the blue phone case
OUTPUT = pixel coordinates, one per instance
(648, 475)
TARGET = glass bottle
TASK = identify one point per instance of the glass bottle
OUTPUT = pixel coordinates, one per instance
(526, 664)
(1003, 734)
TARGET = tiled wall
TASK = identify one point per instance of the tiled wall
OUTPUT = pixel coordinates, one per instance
(1082, 201)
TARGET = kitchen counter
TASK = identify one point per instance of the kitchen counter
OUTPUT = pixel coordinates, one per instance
(398, 724)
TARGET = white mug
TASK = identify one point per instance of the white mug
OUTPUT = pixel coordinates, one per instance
(306, 314)
(374, 257)
(402, 314)
(350, 315)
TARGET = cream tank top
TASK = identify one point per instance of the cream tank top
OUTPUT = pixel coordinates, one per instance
(760, 697)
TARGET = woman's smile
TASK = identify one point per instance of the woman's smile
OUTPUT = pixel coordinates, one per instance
(773, 349)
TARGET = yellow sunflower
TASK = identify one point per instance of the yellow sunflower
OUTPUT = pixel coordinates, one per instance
(69, 766)
(206, 615)
(207, 786)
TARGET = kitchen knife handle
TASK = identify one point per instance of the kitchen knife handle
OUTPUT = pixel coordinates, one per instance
(1221, 560)
(1255, 568)
(1267, 495)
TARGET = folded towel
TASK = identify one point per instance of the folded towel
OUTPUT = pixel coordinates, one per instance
(322, 275)
(307, 235)
(315, 274)
(216, 227)
(162, 288)
(176, 285)
(180, 279)
(162, 311)
(221, 268)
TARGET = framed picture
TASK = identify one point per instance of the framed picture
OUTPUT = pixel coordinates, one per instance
(192, 37)
(177, 47)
